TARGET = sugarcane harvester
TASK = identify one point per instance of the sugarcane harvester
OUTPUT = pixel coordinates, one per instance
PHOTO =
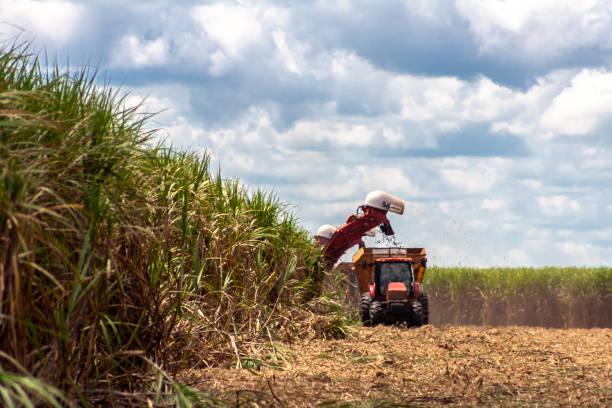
(389, 279)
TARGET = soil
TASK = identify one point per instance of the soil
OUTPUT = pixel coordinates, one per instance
(431, 365)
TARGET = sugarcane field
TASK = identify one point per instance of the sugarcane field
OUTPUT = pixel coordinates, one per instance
(236, 203)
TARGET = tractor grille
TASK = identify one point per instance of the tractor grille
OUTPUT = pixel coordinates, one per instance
(398, 308)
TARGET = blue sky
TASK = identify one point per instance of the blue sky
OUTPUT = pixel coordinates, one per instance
(492, 119)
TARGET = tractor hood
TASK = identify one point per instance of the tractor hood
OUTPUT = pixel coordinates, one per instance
(397, 291)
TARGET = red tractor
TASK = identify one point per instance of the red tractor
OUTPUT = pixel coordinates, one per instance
(389, 279)
(390, 282)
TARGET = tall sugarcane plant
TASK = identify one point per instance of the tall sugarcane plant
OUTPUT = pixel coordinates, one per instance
(118, 251)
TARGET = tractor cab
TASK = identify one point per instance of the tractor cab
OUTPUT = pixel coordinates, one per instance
(393, 279)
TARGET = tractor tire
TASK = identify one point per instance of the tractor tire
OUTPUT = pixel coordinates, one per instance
(424, 300)
(365, 309)
(416, 315)
(377, 313)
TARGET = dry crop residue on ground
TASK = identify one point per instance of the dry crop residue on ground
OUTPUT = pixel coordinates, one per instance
(393, 366)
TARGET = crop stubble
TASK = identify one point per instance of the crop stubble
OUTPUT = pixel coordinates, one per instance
(393, 366)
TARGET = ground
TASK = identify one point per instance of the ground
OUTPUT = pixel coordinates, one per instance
(394, 366)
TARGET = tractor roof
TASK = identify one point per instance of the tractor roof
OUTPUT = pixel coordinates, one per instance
(393, 259)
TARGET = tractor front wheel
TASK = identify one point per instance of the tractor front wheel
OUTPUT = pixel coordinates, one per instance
(416, 315)
(377, 313)
(365, 309)
(424, 300)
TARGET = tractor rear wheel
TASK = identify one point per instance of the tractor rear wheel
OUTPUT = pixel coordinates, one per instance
(416, 315)
(365, 309)
(424, 300)
(377, 313)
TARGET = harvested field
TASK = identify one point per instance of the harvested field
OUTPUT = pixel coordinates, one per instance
(393, 366)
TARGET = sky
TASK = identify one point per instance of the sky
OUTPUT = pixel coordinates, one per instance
(492, 119)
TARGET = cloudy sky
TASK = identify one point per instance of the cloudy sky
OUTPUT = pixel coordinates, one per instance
(493, 119)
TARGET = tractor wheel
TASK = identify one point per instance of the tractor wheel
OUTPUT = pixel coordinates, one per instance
(416, 315)
(377, 313)
(365, 309)
(424, 300)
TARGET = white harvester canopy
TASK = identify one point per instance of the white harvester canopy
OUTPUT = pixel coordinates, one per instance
(385, 201)
(325, 231)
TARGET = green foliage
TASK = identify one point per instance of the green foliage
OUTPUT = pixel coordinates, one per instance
(116, 252)
(507, 282)
(552, 297)
(26, 391)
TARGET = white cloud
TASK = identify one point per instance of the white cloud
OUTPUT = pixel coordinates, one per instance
(523, 117)
(291, 56)
(387, 178)
(466, 181)
(477, 224)
(136, 53)
(331, 131)
(558, 205)
(260, 36)
(233, 28)
(581, 253)
(319, 190)
(516, 257)
(583, 107)
(465, 177)
(533, 184)
(51, 21)
(492, 204)
(445, 207)
(544, 28)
